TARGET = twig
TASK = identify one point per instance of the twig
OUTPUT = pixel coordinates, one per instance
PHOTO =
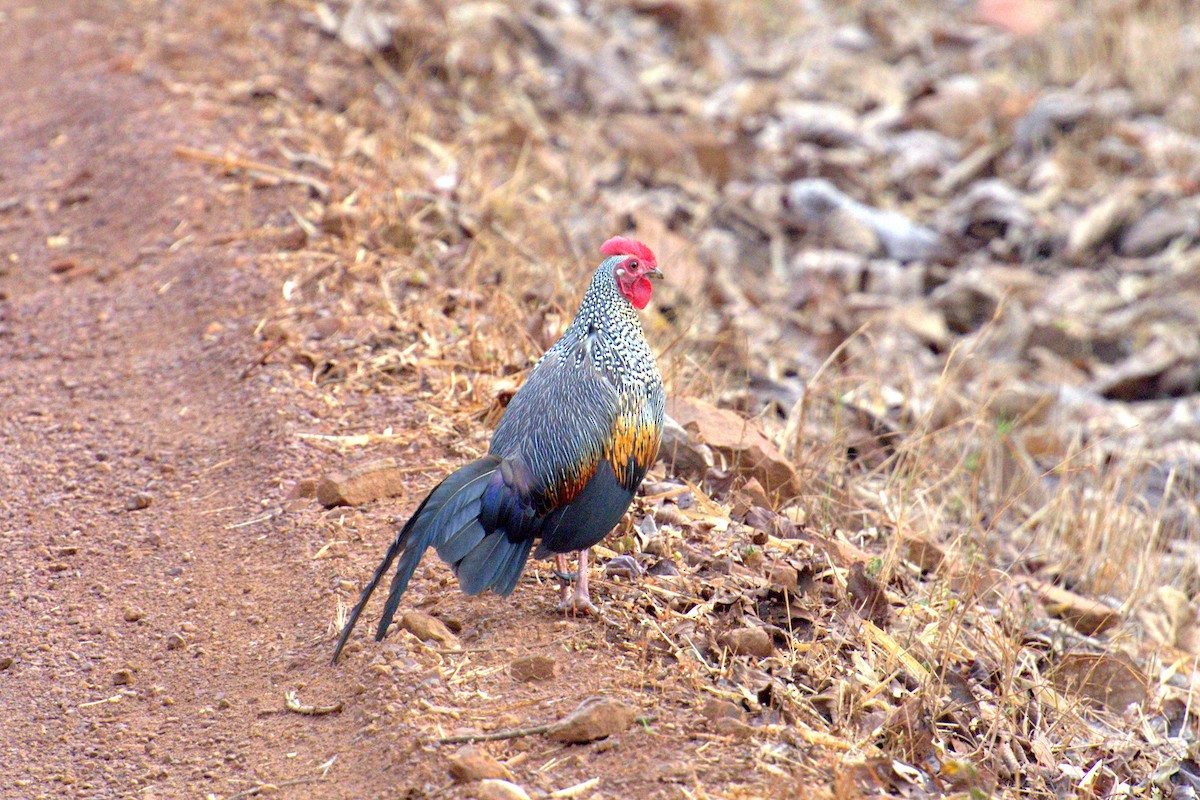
(255, 790)
(678, 490)
(258, 362)
(319, 188)
(513, 733)
(293, 704)
(517, 733)
(577, 789)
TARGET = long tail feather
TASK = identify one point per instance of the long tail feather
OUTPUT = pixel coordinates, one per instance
(392, 551)
(421, 531)
(510, 572)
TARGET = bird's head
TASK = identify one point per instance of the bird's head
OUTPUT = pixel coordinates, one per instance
(633, 270)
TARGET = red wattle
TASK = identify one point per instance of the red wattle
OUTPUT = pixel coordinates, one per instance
(639, 293)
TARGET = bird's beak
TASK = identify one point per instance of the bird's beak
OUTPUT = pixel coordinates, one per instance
(654, 273)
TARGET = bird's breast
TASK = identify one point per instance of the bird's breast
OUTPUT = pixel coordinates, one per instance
(632, 448)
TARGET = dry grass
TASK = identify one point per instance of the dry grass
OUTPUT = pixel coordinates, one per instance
(1141, 46)
(460, 227)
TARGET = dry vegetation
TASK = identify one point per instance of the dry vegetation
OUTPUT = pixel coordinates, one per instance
(986, 583)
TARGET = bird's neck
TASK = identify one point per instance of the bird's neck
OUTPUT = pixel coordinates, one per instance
(603, 305)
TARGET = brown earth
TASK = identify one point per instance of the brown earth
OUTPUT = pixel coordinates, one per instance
(162, 594)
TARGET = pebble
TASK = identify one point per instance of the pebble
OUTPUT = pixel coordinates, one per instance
(138, 502)
(428, 628)
(495, 789)
(472, 764)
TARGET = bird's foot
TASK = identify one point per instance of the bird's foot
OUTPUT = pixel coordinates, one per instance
(577, 604)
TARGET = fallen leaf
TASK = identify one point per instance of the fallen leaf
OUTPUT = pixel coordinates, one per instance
(1107, 681)
(739, 442)
(749, 642)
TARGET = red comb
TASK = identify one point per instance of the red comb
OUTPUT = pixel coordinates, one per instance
(621, 246)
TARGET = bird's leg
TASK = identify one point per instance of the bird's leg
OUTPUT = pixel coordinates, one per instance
(564, 580)
(577, 602)
(583, 603)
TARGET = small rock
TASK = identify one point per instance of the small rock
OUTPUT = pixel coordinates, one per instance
(815, 202)
(326, 327)
(693, 17)
(5, 663)
(428, 628)
(959, 107)
(138, 501)
(927, 555)
(495, 789)
(749, 642)
(990, 209)
(1110, 682)
(1054, 113)
(754, 493)
(718, 249)
(175, 641)
(472, 764)
(596, 718)
(122, 677)
(293, 238)
(533, 668)
(133, 614)
(822, 124)
(362, 484)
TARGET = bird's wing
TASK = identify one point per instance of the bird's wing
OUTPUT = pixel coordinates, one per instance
(561, 420)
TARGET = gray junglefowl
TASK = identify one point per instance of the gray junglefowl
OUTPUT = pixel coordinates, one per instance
(569, 453)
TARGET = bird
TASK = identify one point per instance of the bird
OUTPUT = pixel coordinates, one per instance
(564, 462)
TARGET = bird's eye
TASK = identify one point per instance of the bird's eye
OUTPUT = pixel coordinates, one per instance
(633, 265)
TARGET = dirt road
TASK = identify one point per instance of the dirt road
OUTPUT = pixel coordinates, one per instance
(142, 631)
